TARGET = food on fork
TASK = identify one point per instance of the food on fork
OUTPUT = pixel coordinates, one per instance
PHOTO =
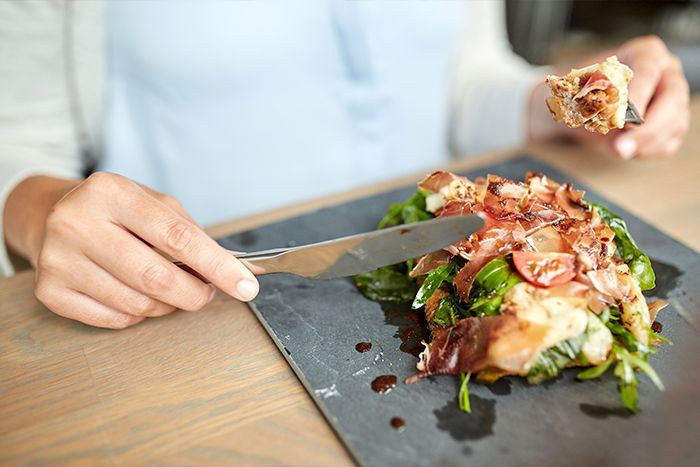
(594, 97)
(552, 281)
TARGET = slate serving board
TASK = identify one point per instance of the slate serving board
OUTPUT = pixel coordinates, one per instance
(316, 325)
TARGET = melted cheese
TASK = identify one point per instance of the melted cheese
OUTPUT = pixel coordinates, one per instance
(543, 319)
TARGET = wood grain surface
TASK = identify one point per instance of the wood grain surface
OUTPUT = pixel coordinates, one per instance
(211, 387)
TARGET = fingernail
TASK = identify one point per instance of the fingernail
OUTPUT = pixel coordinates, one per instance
(247, 289)
(626, 147)
(212, 293)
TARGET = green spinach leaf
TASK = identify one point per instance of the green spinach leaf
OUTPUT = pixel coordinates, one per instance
(490, 285)
(406, 212)
(433, 281)
(390, 283)
(552, 360)
(446, 313)
(638, 262)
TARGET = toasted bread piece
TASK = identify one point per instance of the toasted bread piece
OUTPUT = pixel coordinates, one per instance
(594, 97)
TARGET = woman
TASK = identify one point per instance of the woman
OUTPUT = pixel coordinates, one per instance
(236, 107)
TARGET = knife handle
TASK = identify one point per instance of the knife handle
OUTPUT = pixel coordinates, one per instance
(259, 262)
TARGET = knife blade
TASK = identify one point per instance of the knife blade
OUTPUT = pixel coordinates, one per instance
(360, 253)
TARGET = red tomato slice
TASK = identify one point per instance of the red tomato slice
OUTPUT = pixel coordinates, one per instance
(545, 269)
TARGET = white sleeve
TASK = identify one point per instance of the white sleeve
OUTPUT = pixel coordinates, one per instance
(492, 84)
(37, 130)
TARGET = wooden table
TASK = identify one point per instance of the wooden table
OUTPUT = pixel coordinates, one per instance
(210, 387)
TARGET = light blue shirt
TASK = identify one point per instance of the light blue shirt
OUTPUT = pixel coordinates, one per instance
(239, 107)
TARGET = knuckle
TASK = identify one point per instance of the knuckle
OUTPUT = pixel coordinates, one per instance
(43, 290)
(144, 306)
(654, 41)
(199, 301)
(155, 278)
(101, 180)
(217, 266)
(47, 263)
(671, 148)
(60, 219)
(170, 200)
(178, 235)
(123, 321)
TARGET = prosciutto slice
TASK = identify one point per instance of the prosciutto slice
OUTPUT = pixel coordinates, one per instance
(457, 349)
(596, 81)
(431, 261)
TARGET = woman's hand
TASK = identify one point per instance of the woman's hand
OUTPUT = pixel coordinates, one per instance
(95, 255)
(658, 89)
(661, 93)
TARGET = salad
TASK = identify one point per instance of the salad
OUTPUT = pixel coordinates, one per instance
(552, 281)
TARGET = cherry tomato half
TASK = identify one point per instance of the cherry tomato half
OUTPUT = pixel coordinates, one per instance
(545, 269)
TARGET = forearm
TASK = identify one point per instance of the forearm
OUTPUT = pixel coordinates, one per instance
(26, 210)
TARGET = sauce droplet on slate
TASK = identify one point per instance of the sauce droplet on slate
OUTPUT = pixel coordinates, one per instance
(363, 347)
(384, 383)
(398, 423)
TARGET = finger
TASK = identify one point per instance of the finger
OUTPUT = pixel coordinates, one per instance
(135, 264)
(80, 307)
(170, 201)
(110, 291)
(666, 118)
(641, 88)
(183, 240)
(647, 57)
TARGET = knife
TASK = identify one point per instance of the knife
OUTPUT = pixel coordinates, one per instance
(360, 253)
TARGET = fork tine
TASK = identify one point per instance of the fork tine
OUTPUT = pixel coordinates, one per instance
(632, 115)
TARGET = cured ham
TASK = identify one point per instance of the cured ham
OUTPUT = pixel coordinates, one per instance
(550, 281)
(543, 223)
(594, 97)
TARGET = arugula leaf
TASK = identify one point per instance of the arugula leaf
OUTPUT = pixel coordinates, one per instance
(596, 371)
(406, 212)
(463, 397)
(638, 262)
(490, 285)
(656, 336)
(433, 281)
(629, 355)
(628, 384)
(552, 360)
(446, 313)
(625, 337)
(611, 318)
(635, 361)
(390, 283)
(628, 393)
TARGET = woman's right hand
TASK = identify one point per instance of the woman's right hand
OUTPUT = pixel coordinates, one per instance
(96, 259)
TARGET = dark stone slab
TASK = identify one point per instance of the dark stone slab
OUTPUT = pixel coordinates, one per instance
(317, 324)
